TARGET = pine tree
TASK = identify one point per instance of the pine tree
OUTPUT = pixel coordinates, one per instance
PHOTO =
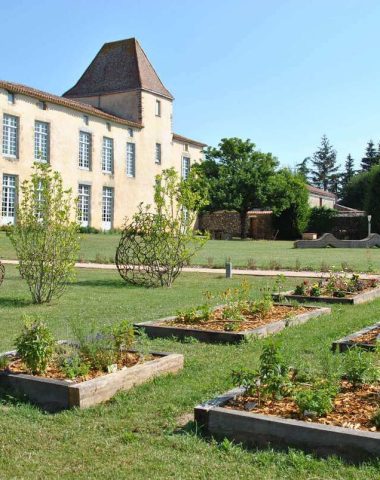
(303, 169)
(371, 157)
(324, 163)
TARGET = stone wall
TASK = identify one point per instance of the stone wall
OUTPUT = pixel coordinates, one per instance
(224, 225)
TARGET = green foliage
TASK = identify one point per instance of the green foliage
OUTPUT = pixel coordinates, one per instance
(74, 366)
(317, 400)
(289, 199)
(271, 378)
(371, 157)
(45, 236)
(322, 220)
(156, 245)
(372, 204)
(4, 362)
(359, 367)
(103, 347)
(355, 194)
(35, 345)
(324, 165)
(315, 290)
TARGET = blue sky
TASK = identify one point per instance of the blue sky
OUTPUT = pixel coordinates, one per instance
(280, 72)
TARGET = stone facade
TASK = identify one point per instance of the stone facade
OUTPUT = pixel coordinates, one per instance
(137, 116)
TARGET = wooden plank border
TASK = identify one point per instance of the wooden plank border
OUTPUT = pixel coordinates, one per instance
(354, 300)
(263, 431)
(348, 342)
(157, 328)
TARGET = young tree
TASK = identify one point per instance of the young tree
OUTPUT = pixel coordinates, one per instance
(45, 236)
(303, 169)
(348, 173)
(237, 177)
(324, 165)
(371, 157)
(157, 243)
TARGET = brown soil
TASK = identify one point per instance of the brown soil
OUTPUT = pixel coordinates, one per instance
(368, 337)
(353, 408)
(129, 360)
(218, 323)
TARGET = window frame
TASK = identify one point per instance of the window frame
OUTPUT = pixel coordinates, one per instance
(81, 206)
(42, 134)
(133, 164)
(16, 129)
(108, 205)
(184, 175)
(7, 188)
(89, 147)
(158, 109)
(110, 160)
(158, 154)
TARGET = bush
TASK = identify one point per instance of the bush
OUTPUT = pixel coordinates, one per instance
(322, 220)
(317, 401)
(88, 230)
(45, 236)
(35, 345)
(355, 194)
(372, 204)
(358, 367)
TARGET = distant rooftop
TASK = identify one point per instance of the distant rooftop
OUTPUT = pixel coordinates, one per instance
(320, 192)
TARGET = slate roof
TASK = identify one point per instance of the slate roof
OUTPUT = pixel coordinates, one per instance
(65, 102)
(320, 192)
(119, 67)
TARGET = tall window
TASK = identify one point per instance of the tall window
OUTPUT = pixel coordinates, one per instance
(158, 153)
(8, 204)
(10, 135)
(41, 141)
(107, 208)
(158, 108)
(131, 159)
(84, 195)
(185, 167)
(107, 155)
(11, 97)
(84, 150)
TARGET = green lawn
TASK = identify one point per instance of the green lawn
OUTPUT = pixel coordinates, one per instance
(144, 433)
(249, 253)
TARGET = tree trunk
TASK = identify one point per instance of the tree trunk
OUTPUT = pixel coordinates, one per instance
(243, 224)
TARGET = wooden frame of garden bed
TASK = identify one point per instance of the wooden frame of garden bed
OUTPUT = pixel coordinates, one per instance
(54, 395)
(155, 330)
(262, 431)
(347, 342)
(354, 300)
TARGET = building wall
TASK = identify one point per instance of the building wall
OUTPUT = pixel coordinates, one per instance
(319, 201)
(65, 125)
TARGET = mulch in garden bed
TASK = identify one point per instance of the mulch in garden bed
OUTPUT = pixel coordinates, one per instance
(129, 359)
(353, 407)
(370, 338)
(251, 321)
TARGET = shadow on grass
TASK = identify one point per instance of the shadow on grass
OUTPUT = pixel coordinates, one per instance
(112, 283)
(15, 302)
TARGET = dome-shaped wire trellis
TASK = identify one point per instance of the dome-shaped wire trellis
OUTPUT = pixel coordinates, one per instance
(148, 254)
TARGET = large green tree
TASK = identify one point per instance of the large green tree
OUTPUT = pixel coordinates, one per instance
(237, 176)
(372, 202)
(371, 157)
(324, 168)
(303, 169)
(347, 175)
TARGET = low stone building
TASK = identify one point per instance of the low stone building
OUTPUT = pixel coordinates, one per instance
(320, 198)
(108, 136)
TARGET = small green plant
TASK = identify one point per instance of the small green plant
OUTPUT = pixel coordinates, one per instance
(74, 366)
(4, 362)
(279, 285)
(251, 264)
(315, 401)
(358, 367)
(35, 345)
(315, 290)
(261, 307)
(376, 419)
(275, 265)
(297, 265)
(324, 267)
(302, 288)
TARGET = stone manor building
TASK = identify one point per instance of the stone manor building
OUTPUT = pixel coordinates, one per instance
(108, 136)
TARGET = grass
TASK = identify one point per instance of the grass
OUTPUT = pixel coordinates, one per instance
(146, 433)
(249, 253)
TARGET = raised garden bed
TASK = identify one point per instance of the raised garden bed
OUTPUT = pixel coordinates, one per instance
(52, 392)
(367, 338)
(225, 417)
(336, 289)
(280, 317)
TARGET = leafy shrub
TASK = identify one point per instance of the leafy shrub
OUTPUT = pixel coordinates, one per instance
(315, 290)
(45, 235)
(261, 307)
(321, 220)
(88, 230)
(35, 345)
(316, 401)
(358, 367)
